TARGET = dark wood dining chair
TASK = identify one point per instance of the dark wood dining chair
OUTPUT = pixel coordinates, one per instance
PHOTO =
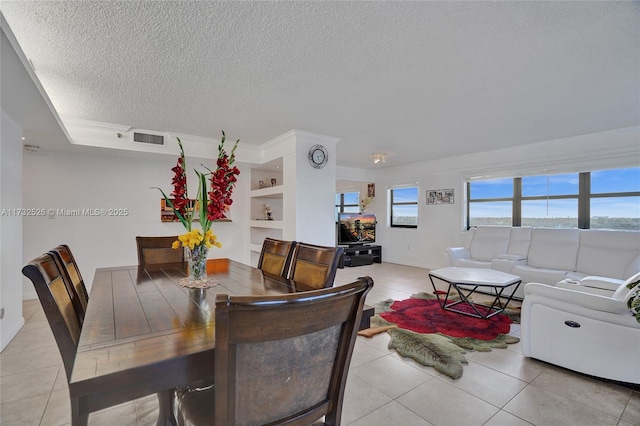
(46, 276)
(275, 257)
(314, 267)
(71, 273)
(154, 250)
(279, 359)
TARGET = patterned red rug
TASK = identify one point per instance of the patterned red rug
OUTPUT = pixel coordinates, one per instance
(426, 316)
(420, 329)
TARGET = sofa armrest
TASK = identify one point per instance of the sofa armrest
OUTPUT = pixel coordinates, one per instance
(455, 253)
(604, 283)
(578, 298)
(506, 262)
(575, 285)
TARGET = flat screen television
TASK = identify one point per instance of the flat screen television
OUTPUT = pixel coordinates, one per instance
(356, 228)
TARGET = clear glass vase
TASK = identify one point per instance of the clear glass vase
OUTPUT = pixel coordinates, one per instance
(197, 259)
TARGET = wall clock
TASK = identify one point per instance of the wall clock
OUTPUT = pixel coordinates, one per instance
(318, 156)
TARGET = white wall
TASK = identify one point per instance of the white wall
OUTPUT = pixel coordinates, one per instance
(10, 230)
(87, 181)
(314, 191)
(441, 226)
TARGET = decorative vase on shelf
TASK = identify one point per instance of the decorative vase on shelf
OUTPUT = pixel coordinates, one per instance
(197, 259)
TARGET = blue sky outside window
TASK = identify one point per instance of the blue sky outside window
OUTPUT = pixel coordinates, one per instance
(494, 188)
(618, 180)
(534, 186)
(404, 214)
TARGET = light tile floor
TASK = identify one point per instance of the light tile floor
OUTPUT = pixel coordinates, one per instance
(501, 387)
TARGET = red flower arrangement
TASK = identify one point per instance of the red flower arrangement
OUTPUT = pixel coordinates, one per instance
(179, 182)
(212, 204)
(222, 183)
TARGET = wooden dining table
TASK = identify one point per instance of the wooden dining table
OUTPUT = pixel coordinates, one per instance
(143, 333)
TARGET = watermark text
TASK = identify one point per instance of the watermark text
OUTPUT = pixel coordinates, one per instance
(51, 212)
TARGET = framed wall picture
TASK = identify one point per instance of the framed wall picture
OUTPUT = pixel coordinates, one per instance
(371, 190)
(440, 196)
(167, 214)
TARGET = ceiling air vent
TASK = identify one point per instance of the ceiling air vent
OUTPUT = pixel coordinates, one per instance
(148, 138)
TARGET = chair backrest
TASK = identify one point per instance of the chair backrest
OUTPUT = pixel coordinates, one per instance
(153, 250)
(46, 275)
(314, 267)
(70, 268)
(275, 257)
(286, 356)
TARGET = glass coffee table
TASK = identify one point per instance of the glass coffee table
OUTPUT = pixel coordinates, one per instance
(473, 279)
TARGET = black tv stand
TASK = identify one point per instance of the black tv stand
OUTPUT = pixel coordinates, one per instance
(361, 254)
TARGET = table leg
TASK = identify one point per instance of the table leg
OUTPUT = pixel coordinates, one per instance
(166, 415)
(498, 301)
(78, 418)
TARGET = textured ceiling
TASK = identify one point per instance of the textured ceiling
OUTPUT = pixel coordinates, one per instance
(417, 80)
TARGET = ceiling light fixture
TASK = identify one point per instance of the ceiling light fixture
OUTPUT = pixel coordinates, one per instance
(379, 157)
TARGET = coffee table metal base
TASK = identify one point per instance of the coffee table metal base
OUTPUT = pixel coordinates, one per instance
(496, 307)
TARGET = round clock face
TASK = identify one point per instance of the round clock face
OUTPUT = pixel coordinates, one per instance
(318, 156)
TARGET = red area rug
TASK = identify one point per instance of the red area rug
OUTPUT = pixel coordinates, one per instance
(420, 329)
(426, 316)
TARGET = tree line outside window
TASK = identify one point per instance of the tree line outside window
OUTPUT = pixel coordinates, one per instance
(605, 199)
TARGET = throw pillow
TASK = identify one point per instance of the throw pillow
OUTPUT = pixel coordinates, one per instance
(633, 301)
(625, 289)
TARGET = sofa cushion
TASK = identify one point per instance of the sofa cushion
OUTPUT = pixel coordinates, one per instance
(607, 253)
(538, 275)
(554, 249)
(489, 241)
(520, 241)
(472, 263)
(505, 265)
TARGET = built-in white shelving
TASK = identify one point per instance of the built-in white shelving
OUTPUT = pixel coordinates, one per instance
(270, 224)
(271, 192)
(299, 197)
(267, 188)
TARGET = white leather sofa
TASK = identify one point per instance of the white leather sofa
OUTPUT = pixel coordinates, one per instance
(582, 331)
(599, 260)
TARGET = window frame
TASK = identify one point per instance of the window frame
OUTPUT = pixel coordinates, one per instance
(404, 203)
(341, 206)
(584, 197)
